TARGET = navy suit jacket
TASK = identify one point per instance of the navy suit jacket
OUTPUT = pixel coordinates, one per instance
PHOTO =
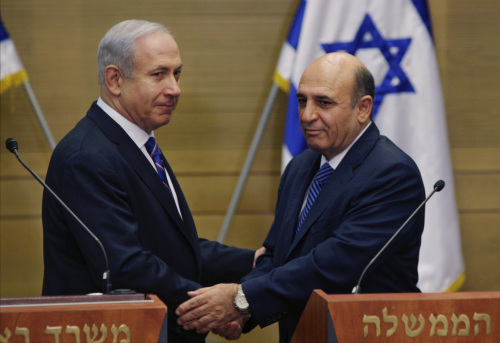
(99, 172)
(369, 196)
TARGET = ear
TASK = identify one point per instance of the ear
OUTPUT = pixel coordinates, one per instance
(113, 78)
(365, 105)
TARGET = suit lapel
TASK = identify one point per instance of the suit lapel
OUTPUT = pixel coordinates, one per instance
(339, 179)
(187, 217)
(136, 159)
(301, 181)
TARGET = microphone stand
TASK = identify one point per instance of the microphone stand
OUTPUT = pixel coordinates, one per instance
(438, 186)
(12, 146)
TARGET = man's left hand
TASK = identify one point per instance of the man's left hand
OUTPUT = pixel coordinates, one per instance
(209, 308)
(258, 252)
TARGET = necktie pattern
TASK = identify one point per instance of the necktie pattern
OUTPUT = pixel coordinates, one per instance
(155, 153)
(321, 176)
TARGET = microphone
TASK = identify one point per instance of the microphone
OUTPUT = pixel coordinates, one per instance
(438, 186)
(12, 146)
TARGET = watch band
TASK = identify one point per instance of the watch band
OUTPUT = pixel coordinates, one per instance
(240, 301)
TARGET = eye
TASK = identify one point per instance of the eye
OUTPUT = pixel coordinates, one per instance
(158, 74)
(322, 102)
(177, 74)
(301, 101)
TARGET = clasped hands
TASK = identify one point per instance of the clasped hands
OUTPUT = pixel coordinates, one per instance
(212, 309)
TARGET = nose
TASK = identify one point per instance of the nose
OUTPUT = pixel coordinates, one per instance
(308, 112)
(172, 87)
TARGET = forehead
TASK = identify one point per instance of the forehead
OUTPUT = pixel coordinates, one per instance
(157, 47)
(326, 79)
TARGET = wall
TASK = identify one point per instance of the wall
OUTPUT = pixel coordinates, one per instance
(229, 50)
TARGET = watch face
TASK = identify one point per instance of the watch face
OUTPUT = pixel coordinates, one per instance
(241, 302)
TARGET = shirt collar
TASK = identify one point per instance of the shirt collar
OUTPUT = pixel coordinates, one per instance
(138, 135)
(335, 161)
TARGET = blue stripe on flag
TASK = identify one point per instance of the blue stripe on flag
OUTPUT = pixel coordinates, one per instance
(294, 34)
(294, 140)
(423, 10)
(3, 33)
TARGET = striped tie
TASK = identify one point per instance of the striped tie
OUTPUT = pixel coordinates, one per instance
(323, 174)
(155, 153)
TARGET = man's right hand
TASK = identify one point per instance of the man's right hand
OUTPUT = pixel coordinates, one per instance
(231, 330)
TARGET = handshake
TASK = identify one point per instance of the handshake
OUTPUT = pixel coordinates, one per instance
(213, 309)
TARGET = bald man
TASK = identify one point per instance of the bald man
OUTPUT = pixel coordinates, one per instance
(326, 231)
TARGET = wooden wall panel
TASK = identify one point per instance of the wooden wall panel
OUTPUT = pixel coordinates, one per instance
(477, 180)
(481, 242)
(21, 258)
(247, 230)
(478, 192)
(21, 197)
(476, 160)
(229, 50)
(470, 72)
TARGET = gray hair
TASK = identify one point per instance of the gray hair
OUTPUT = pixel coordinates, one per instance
(117, 47)
(364, 84)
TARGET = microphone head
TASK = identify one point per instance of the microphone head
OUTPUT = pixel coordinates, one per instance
(11, 145)
(439, 185)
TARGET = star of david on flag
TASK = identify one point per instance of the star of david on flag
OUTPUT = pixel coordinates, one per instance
(393, 39)
(393, 50)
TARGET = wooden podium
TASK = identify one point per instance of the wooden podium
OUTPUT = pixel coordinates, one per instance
(88, 318)
(403, 317)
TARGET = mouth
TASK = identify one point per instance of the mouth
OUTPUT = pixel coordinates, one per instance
(312, 132)
(167, 106)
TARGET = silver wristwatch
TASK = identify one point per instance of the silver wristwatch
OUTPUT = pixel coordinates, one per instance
(240, 302)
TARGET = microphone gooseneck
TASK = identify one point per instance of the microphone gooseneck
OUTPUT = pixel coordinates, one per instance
(12, 146)
(438, 186)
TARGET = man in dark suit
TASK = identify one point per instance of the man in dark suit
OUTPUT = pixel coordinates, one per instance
(105, 173)
(324, 235)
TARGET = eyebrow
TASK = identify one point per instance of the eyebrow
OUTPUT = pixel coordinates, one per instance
(315, 97)
(161, 67)
(322, 97)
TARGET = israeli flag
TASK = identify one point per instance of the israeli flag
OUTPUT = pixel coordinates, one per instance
(393, 39)
(12, 72)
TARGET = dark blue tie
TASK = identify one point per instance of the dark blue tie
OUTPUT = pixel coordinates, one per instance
(155, 153)
(321, 176)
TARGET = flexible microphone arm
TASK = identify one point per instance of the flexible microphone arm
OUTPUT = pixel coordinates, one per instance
(438, 186)
(12, 146)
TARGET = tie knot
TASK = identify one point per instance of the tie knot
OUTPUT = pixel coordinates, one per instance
(152, 147)
(323, 173)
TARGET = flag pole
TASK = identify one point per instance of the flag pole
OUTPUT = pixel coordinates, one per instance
(39, 114)
(248, 162)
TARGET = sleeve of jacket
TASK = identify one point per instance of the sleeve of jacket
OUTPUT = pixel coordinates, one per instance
(224, 264)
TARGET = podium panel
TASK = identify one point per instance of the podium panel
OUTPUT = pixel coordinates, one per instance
(89, 318)
(399, 318)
